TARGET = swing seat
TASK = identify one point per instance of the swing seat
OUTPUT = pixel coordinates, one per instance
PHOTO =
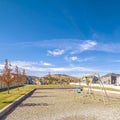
(77, 91)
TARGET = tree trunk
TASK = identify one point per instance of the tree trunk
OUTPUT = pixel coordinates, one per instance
(8, 89)
(18, 87)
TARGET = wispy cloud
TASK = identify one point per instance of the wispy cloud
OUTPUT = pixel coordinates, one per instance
(56, 52)
(42, 68)
(23, 63)
(59, 69)
(75, 58)
(64, 70)
(87, 59)
(60, 46)
(53, 43)
(45, 63)
(28, 64)
(36, 66)
(85, 46)
(108, 47)
(71, 58)
(72, 69)
(116, 61)
(1, 66)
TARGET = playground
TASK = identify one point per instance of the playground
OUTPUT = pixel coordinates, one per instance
(66, 104)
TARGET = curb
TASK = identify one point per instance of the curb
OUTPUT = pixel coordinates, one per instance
(9, 107)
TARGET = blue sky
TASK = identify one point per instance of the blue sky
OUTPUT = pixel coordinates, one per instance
(72, 37)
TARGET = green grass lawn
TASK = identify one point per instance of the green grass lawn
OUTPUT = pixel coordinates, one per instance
(6, 98)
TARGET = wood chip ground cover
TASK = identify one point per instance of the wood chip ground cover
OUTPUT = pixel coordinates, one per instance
(59, 104)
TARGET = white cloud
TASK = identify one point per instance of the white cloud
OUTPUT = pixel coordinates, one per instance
(86, 59)
(72, 69)
(108, 47)
(74, 58)
(1, 66)
(73, 46)
(84, 46)
(56, 52)
(23, 63)
(58, 69)
(45, 63)
(88, 45)
(35, 68)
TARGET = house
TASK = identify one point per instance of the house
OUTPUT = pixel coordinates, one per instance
(118, 80)
(111, 78)
(29, 80)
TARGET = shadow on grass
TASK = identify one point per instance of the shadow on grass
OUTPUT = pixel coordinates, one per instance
(8, 101)
(6, 89)
(22, 93)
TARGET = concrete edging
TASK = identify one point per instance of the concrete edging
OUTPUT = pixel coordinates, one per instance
(9, 107)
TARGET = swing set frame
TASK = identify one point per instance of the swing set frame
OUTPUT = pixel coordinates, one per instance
(89, 79)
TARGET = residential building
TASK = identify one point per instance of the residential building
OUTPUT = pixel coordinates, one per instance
(111, 78)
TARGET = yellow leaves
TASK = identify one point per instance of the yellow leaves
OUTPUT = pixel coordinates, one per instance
(8, 78)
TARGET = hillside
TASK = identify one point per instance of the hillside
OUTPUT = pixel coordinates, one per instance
(111, 74)
(58, 79)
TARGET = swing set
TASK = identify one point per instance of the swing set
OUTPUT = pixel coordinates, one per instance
(91, 79)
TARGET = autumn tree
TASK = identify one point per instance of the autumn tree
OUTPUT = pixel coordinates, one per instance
(1, 80)
(17, 76)
(50, 78)
(23, 76)
(6, 76)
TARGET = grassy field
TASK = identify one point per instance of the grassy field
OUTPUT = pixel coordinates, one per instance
(6, 98)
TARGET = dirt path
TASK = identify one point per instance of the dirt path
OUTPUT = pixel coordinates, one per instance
(65, 105)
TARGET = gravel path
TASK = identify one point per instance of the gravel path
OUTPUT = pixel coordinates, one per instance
(56, 104)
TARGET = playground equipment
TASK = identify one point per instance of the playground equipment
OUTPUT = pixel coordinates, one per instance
(89, 92)
(77, 91)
